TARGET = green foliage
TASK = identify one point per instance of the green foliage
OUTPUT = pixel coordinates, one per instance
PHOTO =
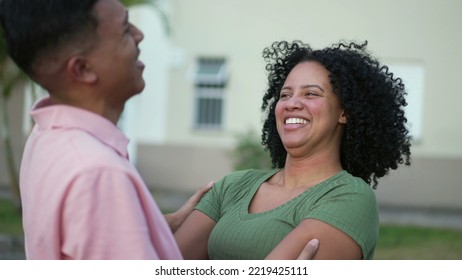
(10, 219)
(249, 153)
(129, 3)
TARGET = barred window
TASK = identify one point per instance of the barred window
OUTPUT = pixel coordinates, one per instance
(210, 81)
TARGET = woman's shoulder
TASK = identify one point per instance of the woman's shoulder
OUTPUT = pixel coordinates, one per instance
(249, 173)
(244, 178)
(346, 182)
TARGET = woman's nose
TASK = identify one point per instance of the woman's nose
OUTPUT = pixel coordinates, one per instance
(293, 103)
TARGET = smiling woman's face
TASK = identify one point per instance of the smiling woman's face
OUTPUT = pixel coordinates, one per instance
(309, 117)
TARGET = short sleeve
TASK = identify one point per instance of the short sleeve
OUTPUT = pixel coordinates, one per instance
(211, 201)
(352, 208)
(225, 193)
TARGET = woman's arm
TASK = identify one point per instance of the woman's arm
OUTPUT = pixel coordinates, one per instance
(334, 244)
(193, 235)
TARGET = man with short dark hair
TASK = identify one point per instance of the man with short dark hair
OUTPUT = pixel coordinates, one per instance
(82, 198)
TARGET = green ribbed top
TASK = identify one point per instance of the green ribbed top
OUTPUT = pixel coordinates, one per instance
(343, 201)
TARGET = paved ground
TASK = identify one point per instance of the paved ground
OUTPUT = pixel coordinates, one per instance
(11, 248)
(438, 218)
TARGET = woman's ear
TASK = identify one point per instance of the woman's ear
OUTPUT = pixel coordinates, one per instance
(80, 70)
(342, 119)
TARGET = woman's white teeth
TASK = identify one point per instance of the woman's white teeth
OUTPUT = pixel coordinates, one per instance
(296, 121)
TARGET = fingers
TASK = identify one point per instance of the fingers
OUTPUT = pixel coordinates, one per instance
(309, 250)
(207, 187)
(200, 192)
(189, 205)
(176, 219)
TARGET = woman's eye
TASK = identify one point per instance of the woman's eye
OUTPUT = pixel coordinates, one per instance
(283, 95)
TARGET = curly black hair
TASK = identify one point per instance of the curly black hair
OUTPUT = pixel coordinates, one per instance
(376, 138)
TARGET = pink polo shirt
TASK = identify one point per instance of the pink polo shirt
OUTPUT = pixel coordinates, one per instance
(82, 198)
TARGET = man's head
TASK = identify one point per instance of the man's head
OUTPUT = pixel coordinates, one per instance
(84, 52)
(42, 29)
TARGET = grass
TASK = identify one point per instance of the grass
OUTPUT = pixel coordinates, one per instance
(10, 220)
(395, 242)
(417, 243)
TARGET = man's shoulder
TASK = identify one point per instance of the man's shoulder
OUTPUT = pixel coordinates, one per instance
(74, 147)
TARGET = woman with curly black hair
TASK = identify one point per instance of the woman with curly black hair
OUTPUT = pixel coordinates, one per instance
(335, 124)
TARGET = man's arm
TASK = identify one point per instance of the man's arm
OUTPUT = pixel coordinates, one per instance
(175, 219)
(102, 218)
(309, 250)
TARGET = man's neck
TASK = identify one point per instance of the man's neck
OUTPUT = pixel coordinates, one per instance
(102, 108)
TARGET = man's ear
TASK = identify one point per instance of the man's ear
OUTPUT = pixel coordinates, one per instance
(342, 119)
(80, 70)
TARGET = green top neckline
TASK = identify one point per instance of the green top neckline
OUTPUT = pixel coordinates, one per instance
(244, 213)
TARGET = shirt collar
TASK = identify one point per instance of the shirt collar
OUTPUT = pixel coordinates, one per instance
(49, 116)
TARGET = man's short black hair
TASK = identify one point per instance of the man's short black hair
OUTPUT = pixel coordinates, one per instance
(33, 28)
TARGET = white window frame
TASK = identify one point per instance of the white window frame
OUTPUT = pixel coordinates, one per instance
(210, 86)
